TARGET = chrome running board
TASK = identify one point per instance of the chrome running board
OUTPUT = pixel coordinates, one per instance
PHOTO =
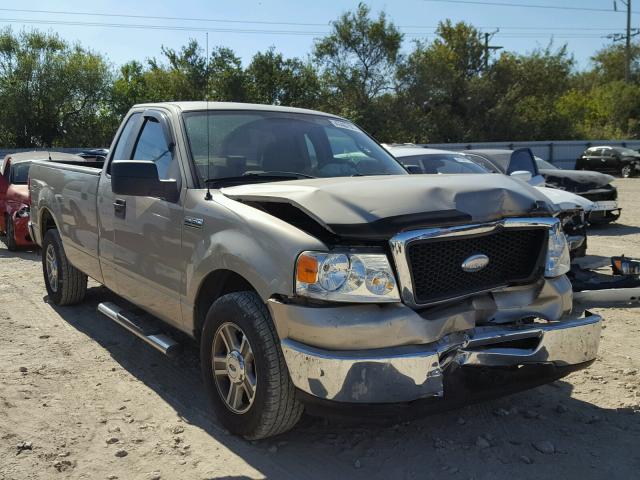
(140, 327)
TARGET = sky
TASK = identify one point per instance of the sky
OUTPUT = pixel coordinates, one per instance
(292, 25)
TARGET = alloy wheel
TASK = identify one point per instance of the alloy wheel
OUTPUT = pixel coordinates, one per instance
(234, 370)
(52, 268)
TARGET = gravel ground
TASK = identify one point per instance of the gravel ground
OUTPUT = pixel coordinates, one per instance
(82, 398)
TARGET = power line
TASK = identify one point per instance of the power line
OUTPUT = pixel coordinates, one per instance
(524, 5)
(183, 19)
(157, 27)
(263, 22)
(151, 17)
(185, 28)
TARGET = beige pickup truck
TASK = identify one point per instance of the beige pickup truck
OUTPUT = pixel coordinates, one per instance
(312, 269)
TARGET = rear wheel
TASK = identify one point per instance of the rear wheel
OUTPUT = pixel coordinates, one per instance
(65, 284)
(11, 235)
(243, 368)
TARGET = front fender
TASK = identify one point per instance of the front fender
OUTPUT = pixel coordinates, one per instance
(233, 236)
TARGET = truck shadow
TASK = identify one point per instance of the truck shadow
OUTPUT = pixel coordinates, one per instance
(445, 444)
(23, 253)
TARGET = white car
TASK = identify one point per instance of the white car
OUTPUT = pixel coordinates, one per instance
(572, 208)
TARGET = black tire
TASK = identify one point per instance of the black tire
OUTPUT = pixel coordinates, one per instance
(626, 171)
(275, 408)
(71, 283)
(10, 238)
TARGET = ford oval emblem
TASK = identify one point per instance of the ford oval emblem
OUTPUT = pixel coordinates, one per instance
(475, 263)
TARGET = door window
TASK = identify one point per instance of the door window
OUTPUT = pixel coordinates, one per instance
(152, 146)
(126, 139)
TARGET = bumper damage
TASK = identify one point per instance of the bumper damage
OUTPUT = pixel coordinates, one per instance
(604, 211)
(413, 372)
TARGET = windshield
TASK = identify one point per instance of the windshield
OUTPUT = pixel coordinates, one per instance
(20, 173)
(444, 163)
(544, 165)
(245, 143)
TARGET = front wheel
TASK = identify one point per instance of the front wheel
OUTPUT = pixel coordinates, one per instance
(65, 284)
(243, 368)
(11, 235)
(625, 172)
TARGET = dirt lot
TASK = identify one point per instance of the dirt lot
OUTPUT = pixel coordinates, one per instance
(82, 398)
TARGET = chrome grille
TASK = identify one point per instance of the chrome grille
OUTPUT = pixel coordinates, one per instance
(429, 262)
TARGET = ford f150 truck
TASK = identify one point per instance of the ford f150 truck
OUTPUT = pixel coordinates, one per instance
(312, 269)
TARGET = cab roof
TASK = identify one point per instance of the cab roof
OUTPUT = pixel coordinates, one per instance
(193, 106)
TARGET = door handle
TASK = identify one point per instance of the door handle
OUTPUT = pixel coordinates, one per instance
(120, 207)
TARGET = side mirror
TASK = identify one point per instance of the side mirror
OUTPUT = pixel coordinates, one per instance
(140, 178)
(413, 169)
(523, 175)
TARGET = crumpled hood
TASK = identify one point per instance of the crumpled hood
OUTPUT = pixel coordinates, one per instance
(576, 180)
(380, 206)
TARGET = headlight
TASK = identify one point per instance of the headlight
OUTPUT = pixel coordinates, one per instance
(346, 277)
(558, 260)
(23, 212)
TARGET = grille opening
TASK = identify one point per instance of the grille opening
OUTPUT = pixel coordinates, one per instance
(515, 257)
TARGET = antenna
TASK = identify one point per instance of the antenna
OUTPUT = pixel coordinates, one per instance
(206, 97)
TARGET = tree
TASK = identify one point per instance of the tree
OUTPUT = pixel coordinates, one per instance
(609, 63)
(227, 80)
(50, 92)
(439, 83)
(357, 63)
(277, 81)
(522, 94)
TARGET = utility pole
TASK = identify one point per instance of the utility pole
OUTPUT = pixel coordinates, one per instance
(617, 37)
(487, 48)
(627, 66)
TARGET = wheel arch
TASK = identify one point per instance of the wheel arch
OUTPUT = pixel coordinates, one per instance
(213, 286)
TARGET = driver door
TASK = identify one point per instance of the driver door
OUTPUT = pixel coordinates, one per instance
(148, 230)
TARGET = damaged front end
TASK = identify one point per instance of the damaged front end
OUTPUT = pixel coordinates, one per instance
(460, 319)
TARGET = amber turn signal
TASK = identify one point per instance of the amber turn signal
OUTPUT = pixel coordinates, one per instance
(307, 269)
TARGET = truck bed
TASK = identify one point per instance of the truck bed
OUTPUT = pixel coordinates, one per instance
(70, 190)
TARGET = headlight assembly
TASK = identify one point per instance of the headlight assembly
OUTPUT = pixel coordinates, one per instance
(346, 277)
(558, 260)
(23, 212)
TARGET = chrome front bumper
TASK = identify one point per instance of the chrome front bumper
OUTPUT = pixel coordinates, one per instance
(412, 372)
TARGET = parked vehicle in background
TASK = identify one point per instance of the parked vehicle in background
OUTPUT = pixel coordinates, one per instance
(14, 194)
(571, 208)
(519, 163)
(315, 269)
(594, 186)
(618, 160)
(94, 154)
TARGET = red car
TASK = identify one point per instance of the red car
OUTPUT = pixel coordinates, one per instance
(14, 194)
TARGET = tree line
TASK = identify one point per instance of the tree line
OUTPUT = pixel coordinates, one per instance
(53, 93)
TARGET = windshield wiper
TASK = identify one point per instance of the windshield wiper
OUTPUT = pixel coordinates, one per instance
(272, 176)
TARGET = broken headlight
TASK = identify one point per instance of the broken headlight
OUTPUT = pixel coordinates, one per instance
(23, 212)
(558, 260)
(346, 277)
